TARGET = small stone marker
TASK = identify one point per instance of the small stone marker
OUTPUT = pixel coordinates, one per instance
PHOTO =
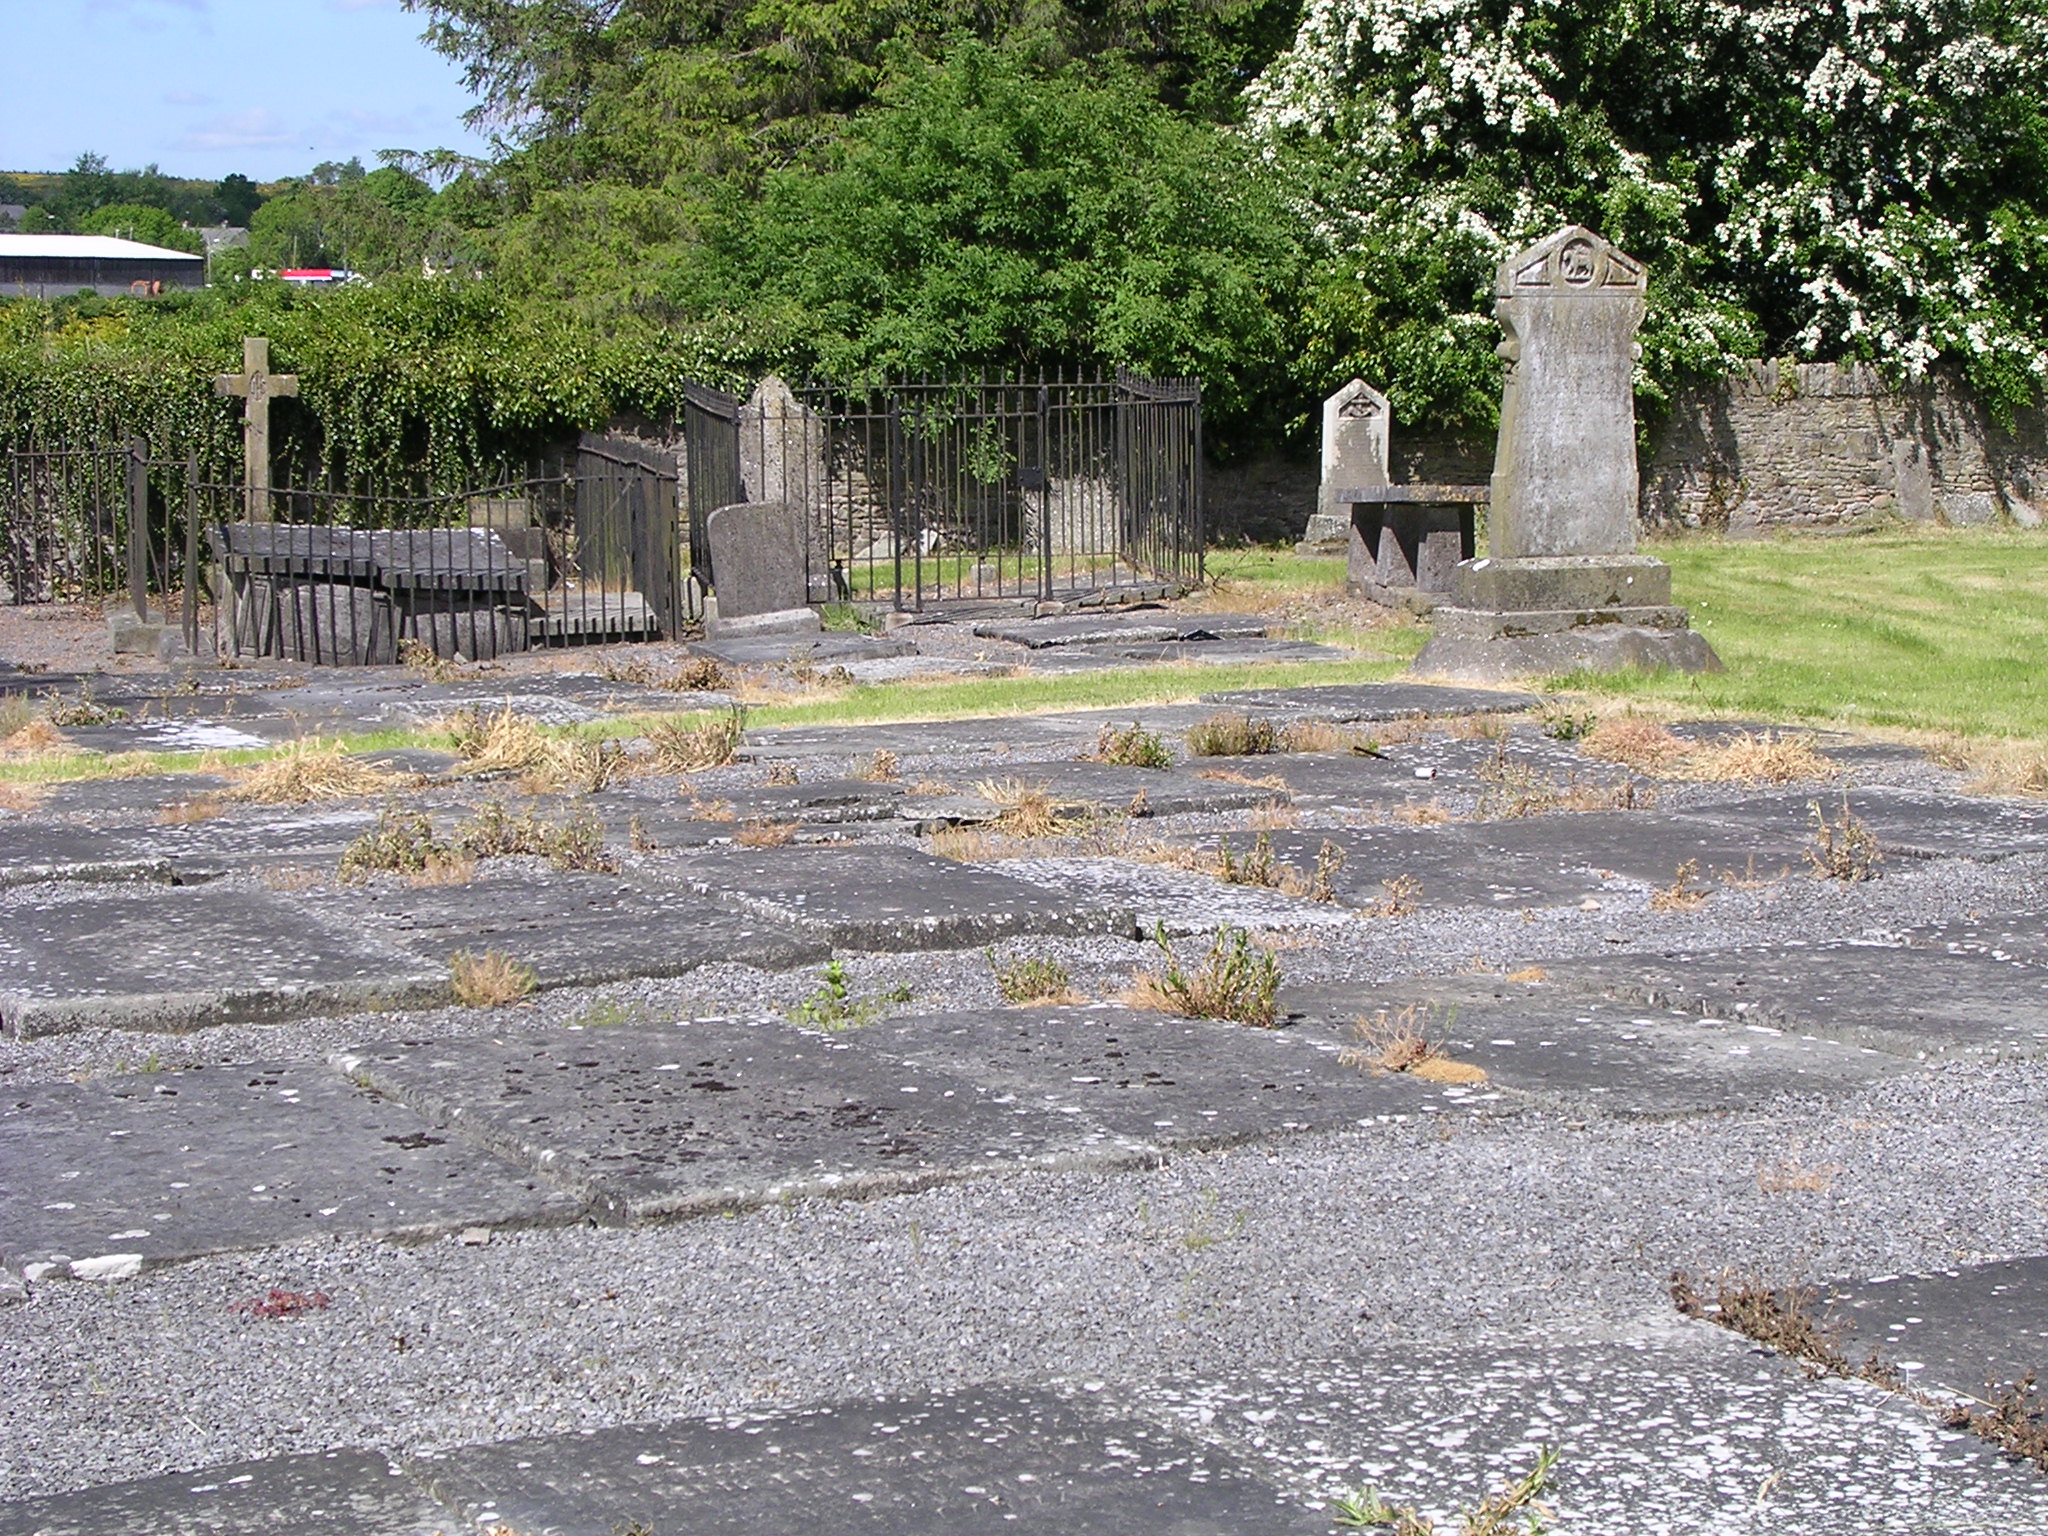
(1356, 423)
(257, 386)
(1563, 587)
(757, 549)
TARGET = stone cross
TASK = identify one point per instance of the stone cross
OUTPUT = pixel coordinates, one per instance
(1564, 474)
(258, 386)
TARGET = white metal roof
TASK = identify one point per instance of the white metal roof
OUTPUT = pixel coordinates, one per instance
(86, 248)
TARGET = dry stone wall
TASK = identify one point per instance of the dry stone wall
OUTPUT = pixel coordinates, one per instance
(1785, 445)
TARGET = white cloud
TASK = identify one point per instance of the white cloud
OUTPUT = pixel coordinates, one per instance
(258, 128)
(186, 99)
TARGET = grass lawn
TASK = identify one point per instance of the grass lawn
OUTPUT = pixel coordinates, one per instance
(1930, 629)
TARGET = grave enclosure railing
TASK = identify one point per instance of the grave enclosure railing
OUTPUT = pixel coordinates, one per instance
(945, 489)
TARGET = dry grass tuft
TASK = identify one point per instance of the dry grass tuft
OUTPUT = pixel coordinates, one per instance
(712, 742)
(1233, 735)
(1400, 896)
(19, 798)
(1400, 1042)
(1130, 746)
(290, 877)
(492, 979)
(963, 845)
(35, 739)
(1529, 975)
(1238, 776)
(2015, 1420)
(1767, 759)
(765, 834)
(930, 787)
(1633, 742)
(503, 742)
(1029, 810)
(307, 772)
(876, 768)
(1433, 813)
(1682, 894)
(782, 772)
(185, 813)
(1782, 1318)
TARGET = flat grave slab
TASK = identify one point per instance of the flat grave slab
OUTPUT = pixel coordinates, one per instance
(122, 801)
(1180, 899)
(359, 1492)
(1123, 627)
(1700, 1433)
(256, 836)
(195, 733)
(977, 1462)
(1033, 737)
(2016, 936)
(122, 1173)
(1914, 1003)
(888, 898)
(1096, 788)
(814, 650)
(712, 1115)
(186, 957)
(1149, 1078)
(1347, 702)
(1450, 865)
(34, 849)
(1914, 823)
(1645, 846)
(1594, 1057)
(573, 929)
(1208, 653)
(1964, 1331)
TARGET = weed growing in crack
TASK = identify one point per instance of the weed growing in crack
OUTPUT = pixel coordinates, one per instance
(1031, 980)
(1517, 1507)
(762, 833)
(1237, 981)
(1682, 894)
(1029, 810)
(492, 979)
(574, 845)
(834, 1007)
(1233, 735)
(1844, 849)
(708, 743)
(1260, 868)
(1131, 746)
(1401, 1042)
(1400, 896)
(876, 768)
(403, 843)
(2015, 1420)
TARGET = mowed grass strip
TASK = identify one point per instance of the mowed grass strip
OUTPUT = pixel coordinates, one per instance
(1928, 629)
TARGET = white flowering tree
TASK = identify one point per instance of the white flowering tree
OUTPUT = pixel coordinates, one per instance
(1822, 178)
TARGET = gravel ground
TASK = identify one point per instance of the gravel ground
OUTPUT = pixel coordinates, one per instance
(1532, 1228)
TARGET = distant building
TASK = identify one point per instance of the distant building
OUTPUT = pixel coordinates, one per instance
(316, 277)
(221, 237)
(11, 215)
(57, 266)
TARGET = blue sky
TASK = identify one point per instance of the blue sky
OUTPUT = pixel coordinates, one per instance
(203, 87)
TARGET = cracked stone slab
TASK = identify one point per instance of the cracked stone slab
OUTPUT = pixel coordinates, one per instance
(1647, 846)
(1912, 823)
(824, 650)
(1148, 1078)
(359, 1492)
(889, 898)
(1345, 703)
(1691, 1430)
(971, 1464)
(1451, 864)
(1915, 1003)
(1208, 653)
(714, 1115)
(1586, 1056)
(186, 957)
(123, 1173)
(34, 850)
(1094, 788)
(1963, 1331)
(574, 929)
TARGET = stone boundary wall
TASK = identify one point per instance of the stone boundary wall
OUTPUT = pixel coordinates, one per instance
(1803, 445)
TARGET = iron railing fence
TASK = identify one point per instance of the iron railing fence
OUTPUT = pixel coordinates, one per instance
(942, 489)
(711, 472)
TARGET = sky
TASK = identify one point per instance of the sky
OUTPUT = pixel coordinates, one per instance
(203, 88)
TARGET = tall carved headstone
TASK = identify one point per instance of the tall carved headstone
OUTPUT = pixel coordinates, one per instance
(757, 549)
(1562, 587)
(783, 460)
(1356, 424)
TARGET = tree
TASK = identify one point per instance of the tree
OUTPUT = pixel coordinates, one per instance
(982, 214)
(1847, 178)
(139, 221)
(236, 200)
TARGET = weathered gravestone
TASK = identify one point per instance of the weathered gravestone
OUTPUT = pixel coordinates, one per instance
(1355, 431)
(1563, 587)
(783, 460)
(757, 549)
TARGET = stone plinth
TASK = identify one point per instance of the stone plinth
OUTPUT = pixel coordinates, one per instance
(1564, 589)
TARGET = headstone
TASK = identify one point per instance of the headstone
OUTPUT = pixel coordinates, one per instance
(757, 549)
(1562, 587)
(783, 460)
(257, 386)
(1356, 429)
